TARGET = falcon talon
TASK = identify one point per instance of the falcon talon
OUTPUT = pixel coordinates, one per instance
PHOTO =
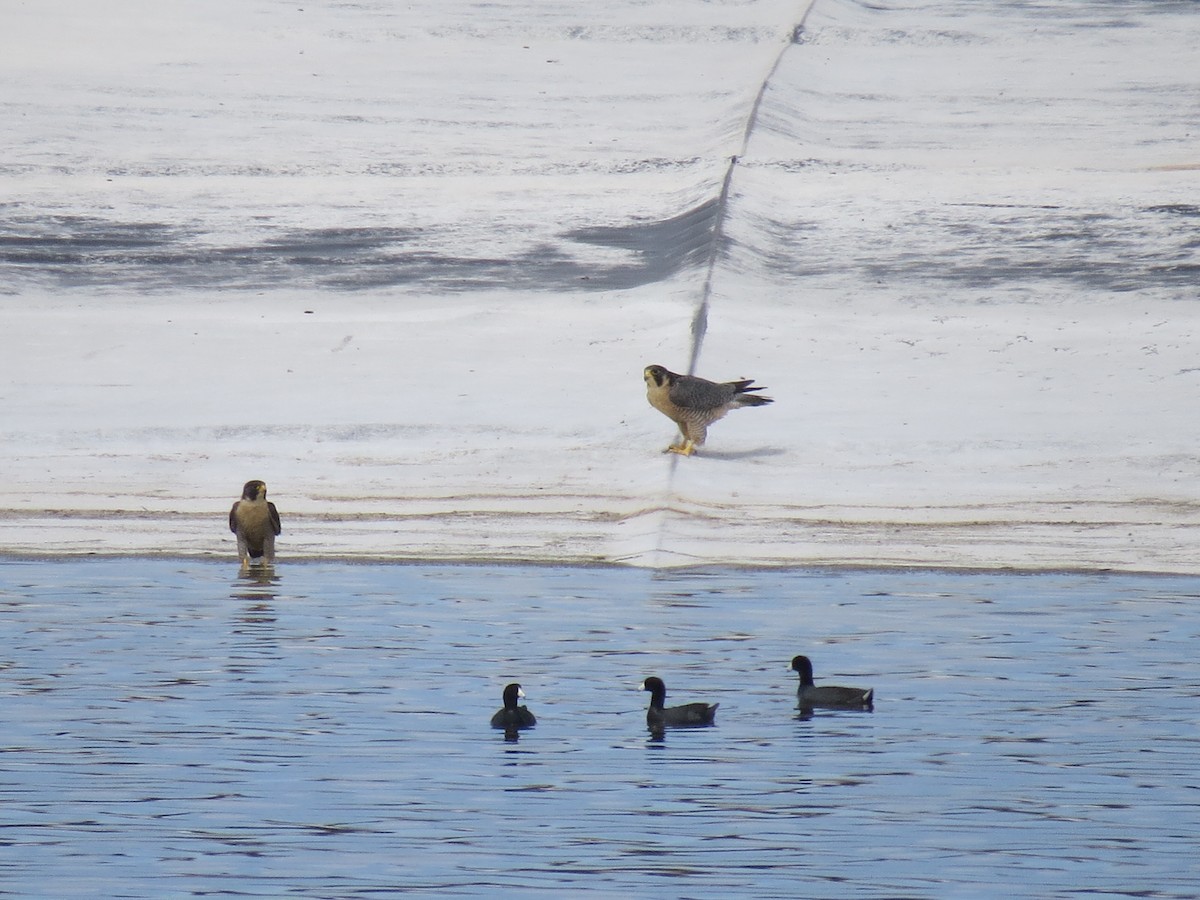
(695, 403)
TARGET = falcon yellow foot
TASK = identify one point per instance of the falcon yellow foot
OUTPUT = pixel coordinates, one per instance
(687, 448)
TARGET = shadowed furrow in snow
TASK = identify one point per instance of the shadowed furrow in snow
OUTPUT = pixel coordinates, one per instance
(70, 251)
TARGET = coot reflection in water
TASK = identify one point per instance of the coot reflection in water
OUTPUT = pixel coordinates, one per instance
(322, 730)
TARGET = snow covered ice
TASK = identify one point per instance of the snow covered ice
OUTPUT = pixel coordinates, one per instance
(406, 264)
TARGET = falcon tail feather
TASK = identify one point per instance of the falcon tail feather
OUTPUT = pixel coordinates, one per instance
(752, 400)
(743, 395)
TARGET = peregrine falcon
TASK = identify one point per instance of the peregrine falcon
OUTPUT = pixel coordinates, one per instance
(695, 403)
(255, 521)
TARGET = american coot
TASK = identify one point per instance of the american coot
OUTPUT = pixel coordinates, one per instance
(512, 716)
(827, 695)
(255, 521)
(674, 716)
(695, 403)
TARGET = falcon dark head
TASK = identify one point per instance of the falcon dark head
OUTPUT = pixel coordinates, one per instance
(659, 376)
(253, 488)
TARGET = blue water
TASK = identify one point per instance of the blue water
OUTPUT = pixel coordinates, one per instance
(173, 729)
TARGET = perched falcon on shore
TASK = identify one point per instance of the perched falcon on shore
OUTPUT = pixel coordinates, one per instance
(255, 521)
(695, 403)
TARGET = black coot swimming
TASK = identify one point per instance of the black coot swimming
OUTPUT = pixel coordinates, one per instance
(689, 714)
(512, 716)
(828, 695)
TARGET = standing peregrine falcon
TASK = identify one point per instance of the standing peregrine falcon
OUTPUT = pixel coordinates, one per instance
(695, 403)
(255, 521)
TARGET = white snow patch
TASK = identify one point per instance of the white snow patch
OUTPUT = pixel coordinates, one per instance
(406, 264)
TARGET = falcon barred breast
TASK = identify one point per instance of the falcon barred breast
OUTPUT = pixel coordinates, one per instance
(255, 521)
(695, 403)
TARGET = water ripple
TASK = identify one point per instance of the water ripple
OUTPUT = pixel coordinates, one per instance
(322, 731)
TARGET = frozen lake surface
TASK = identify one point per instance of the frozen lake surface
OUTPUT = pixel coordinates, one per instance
(406, 263)
(173, 729)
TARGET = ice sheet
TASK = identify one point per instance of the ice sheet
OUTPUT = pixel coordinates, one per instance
(406, 264)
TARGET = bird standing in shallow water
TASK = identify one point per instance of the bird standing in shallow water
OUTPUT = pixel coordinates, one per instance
(688, 714)
(695, 403)
(255, 521)
(827, 695)
(512, 717)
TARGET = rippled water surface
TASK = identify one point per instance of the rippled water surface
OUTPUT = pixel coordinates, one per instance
(173, 729)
